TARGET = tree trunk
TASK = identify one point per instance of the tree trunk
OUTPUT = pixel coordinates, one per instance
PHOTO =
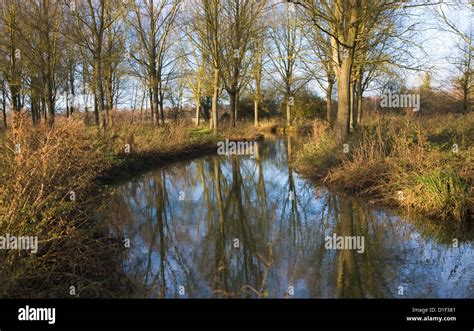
(67, 101)
(141, 106)
(198, 102)
(359, 99)
(51, 111)
(343, 98)
(288, 113)
(38, 110)
(109, 101)
(236, 107)
(73, 93)
(329, 113)
(255, 107)
(43, 110)
(50, 93)
(100, 90)
(288, 108)
(465, 101)
(214, 122)
(233, 107)
(162, 113)
(256, 101)
(153, 107)
(156, 105)
(14, 89)
(198, 112)
(96, 101)
(96, 110)
(4, 108)
(354, 109)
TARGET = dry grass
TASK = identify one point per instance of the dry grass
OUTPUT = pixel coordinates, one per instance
(36, 182)
(40, 169)
(269, 125)
(404, 161)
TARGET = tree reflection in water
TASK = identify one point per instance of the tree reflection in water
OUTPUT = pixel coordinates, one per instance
(184, 222)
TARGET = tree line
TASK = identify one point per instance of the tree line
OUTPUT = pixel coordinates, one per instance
(155, 52)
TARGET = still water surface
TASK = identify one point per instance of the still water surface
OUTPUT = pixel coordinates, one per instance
(252, 227)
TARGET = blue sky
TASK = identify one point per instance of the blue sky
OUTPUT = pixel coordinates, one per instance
(440, 45)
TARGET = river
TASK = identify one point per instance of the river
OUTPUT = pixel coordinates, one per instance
(238, 226)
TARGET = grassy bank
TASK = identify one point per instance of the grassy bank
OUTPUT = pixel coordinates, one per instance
(50, 187)
(423, 164)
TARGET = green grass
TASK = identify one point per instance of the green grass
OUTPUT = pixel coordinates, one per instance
(437, 192)
(200, 131)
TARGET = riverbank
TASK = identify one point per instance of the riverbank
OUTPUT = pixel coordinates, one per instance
(259, 215)
(422, 164)
(51, 188)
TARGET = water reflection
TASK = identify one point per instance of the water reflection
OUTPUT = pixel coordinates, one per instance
(236, 226)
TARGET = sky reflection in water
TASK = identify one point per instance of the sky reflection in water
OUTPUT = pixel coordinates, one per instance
(183, 221)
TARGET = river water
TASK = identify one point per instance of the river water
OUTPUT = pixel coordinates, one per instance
(241, 226)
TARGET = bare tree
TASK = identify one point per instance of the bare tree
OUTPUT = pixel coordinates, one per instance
(348, 23)
(9, 19)
(209, 39)
(257, 71)
(92, 19)
(113, 68)
(321, 67)
(450, 24)
(464, 80)
(41, 36)
(239, 29)
(286, 54)
(152, 22)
